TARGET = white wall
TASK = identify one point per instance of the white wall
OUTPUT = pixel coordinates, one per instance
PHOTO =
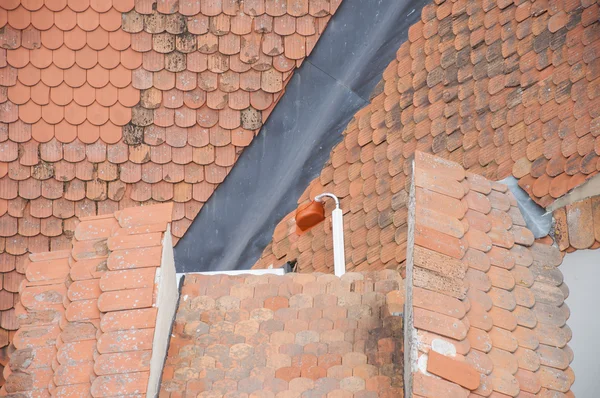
(581, 271)
(168, 293)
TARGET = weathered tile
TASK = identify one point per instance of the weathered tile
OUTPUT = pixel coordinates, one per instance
(453, 370)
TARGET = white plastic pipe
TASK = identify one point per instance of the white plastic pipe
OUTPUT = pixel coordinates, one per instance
(337, 225)
(339, 258)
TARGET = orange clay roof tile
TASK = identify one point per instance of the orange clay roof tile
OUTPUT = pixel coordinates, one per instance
(92, 72)
(498, 210)
(498, 314)
(142, 79)
(576, 225)
(63, 298)
(304, 317)
(522, 131)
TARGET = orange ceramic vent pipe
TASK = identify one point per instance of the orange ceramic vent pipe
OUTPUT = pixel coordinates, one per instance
(311, 215)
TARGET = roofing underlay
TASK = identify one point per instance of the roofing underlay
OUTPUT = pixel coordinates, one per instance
(87, 315)
(499, 87)
(482, 290)
(321, 98)
(108, 104)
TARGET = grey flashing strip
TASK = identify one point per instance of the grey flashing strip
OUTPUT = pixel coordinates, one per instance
(537, 219)
(237, 222)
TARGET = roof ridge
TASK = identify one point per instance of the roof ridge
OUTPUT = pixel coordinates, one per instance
(481, 290)
(93, 309)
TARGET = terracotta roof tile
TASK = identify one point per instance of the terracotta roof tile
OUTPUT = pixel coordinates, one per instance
(92, 73)
(307, 351)
(498, 314)
(492, 163)
(575, 225)
(503, 309)
(549, 161)
(72, 298)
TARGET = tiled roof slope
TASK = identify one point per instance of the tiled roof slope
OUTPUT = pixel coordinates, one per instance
(482, 291)
(108, 104)
(577, 226)
(87, 315)
(372, 193)
(309, 335)
(500, 87)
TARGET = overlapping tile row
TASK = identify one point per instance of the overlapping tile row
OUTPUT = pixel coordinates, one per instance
(66, 73)
(506, 87)
(499, 87)
(87, 315)
(577, 226)
(106, 105)
(484, 292)
(40, 310)
(211, 73)
(314, 335)
(373, 201)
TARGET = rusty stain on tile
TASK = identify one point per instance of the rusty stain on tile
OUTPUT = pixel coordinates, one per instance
(314, 333)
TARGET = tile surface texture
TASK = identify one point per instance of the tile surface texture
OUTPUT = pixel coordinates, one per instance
(87, 315)
(484, 292)
(108, 104)
(310, 335)
(499, 87)
(577, 226)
